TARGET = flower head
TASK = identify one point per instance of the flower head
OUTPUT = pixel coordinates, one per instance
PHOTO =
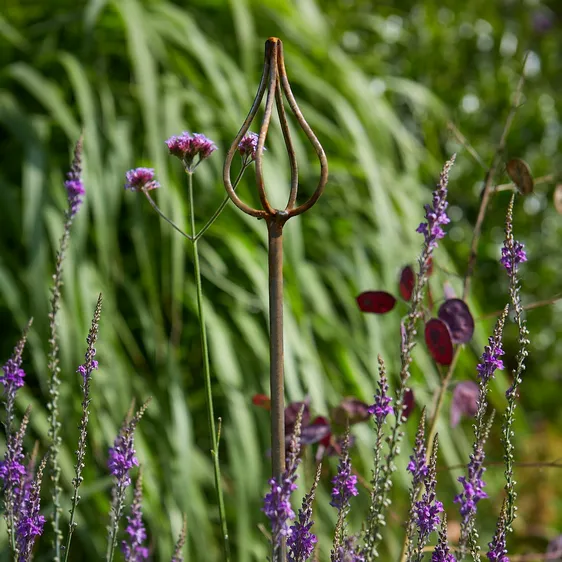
(248, 147)
(188, 147)
(381, 408)
(132, 548)
(435, 214)
(141, 179)
(497, 548)
(74, 186)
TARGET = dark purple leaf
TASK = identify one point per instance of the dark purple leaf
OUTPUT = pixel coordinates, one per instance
(378, 302)
(407, 281)
(455, 313)
(465, 401)
(438, 340)
(318, 431)
(408, 402)
(350, 410)
(291, 412)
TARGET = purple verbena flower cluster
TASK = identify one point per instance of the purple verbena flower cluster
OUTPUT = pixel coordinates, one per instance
(435, 214)
(74, 186)
(141, 179)
(512, 257)
(381, 408)
(132, 548)
(248, 147)
(188, 146)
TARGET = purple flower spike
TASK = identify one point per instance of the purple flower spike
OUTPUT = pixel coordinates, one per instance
(74, 186)
(417, 465)
(277, 502)
(465, 401)
(188, 147)
(442, 552)
(301, 541)
(122, 455)
(132, 548)
(141, 179)
(435, 214)
(511, 259)
(381, 408)
(490, 360)
(344, 482)
(497, 548)
(248, 147)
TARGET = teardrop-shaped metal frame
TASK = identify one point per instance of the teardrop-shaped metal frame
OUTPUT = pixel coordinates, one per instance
(274, 80)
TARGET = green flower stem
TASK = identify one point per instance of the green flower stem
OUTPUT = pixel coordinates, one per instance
(224, 203)
(207, 371)
(170, 222)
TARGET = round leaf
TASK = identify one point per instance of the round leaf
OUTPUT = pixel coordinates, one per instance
(455, 313)
(379, 302)
(520, 173)
(439, 342)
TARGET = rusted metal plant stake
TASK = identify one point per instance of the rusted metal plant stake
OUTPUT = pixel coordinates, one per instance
(274, 81)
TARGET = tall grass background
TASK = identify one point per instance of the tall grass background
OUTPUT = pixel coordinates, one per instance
(378, 86)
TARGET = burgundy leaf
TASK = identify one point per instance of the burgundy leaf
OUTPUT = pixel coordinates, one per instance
(318, 431)
(438, 340)
(408, 402)
(378, 302)
(291, 412)
(455, 313)
(407, 281)
(350, 410)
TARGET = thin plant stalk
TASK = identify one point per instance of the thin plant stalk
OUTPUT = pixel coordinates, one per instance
(207, 371)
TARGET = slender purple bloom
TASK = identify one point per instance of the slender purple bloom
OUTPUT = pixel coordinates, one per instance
(348, 551)
(498, 548)
(301, 540)
(29, 522)
(490, 359)
(513, 256)
(187, 147)
(381, 408)
(418, 465)
(442, 552)
(74, 186)
(344, 483)
(122, 455)
(141, 179)
(435, 214)
(277, 502)
(133, 548)
(248, 147)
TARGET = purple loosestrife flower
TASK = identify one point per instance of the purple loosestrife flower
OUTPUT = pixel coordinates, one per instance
(435, 214)
(417, 465)
(277, 502)
(490, 359)
(132, 548)
(344, 483)
(141, 179)
(29, 523)
(187, 147)
(381, 408)
(513, 256)
(301, 541)
(74, 186)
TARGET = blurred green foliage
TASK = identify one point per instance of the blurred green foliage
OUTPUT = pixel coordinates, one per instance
(378, 84)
